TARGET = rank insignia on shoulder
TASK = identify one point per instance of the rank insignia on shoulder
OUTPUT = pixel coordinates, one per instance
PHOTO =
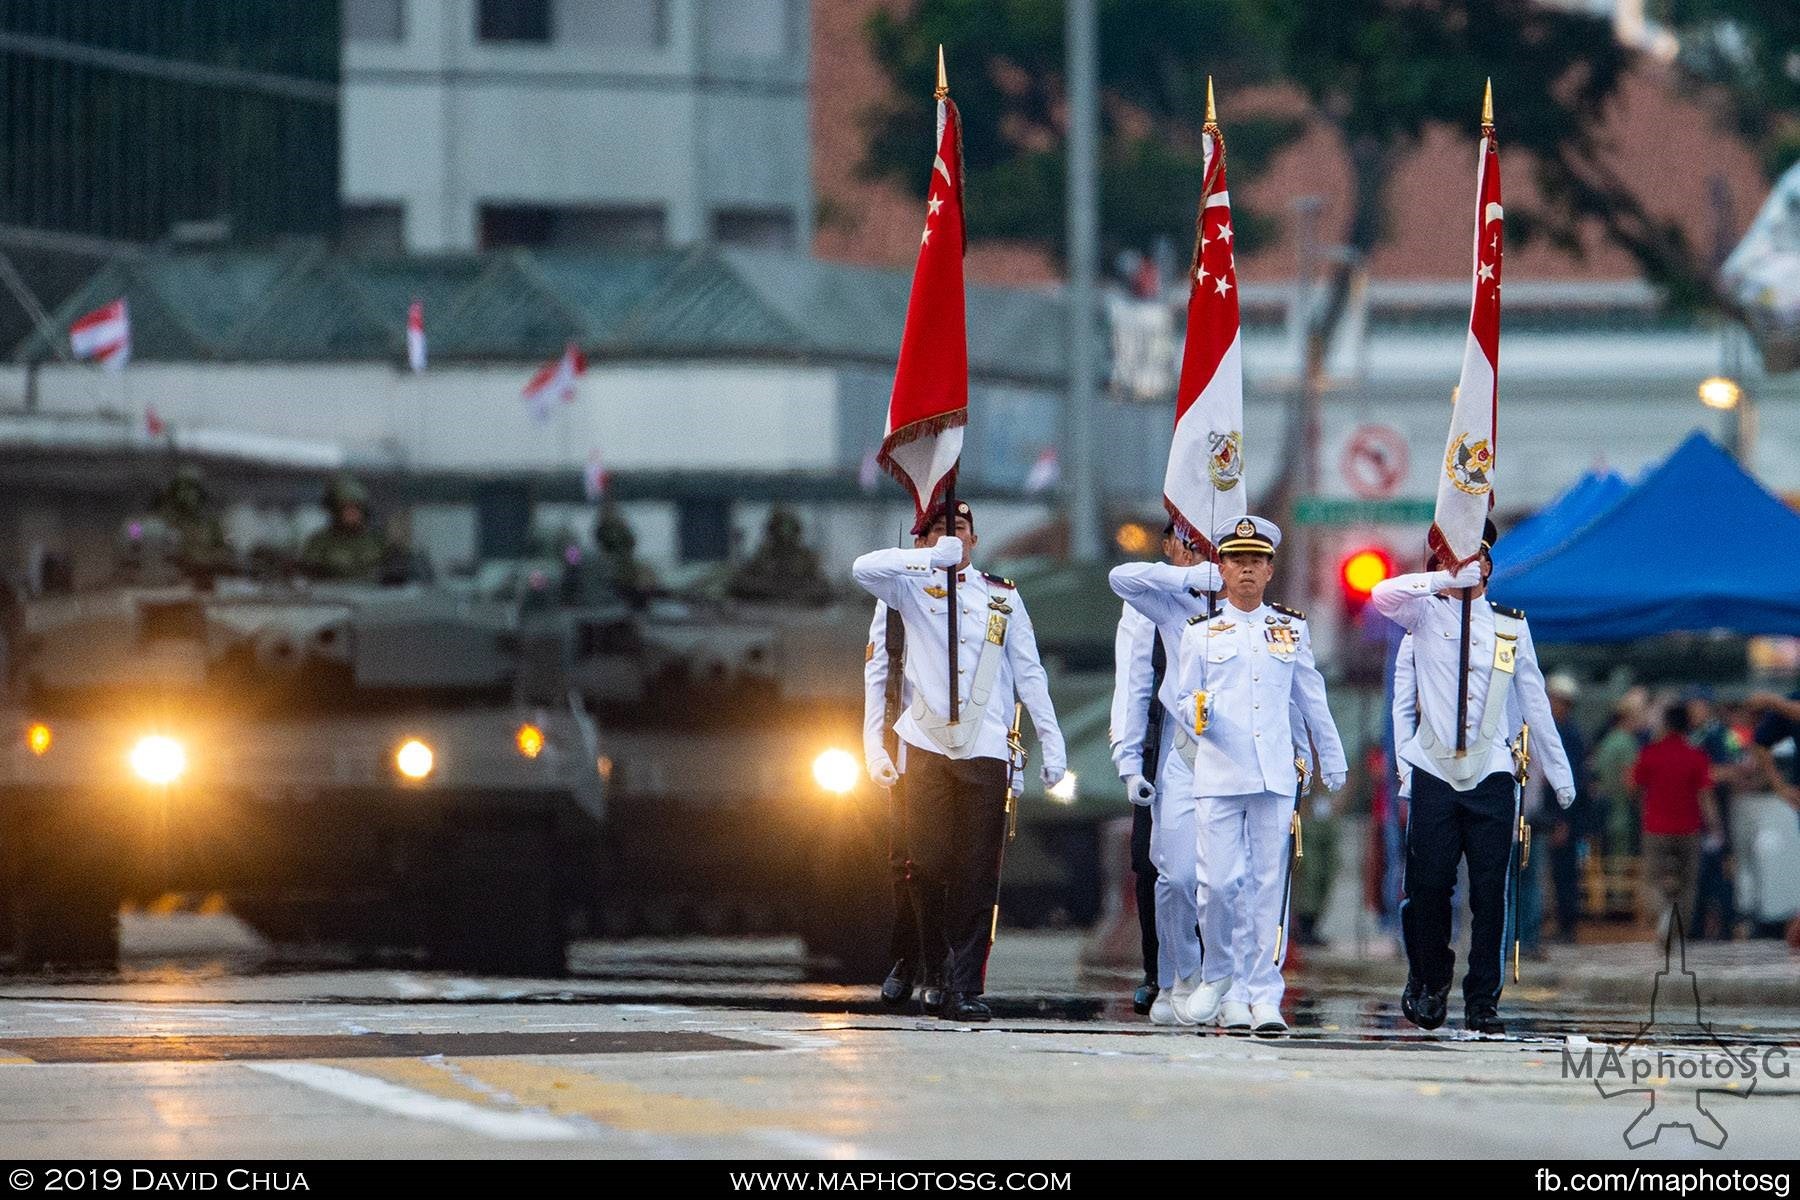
(999, 582)
(1514, 613)
(999, 605)
(936, 592)
(1283, 609)
(1196, 620)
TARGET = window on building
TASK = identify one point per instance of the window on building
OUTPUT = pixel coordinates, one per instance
(513, 20)
(759, 228)
(558, 227)
(375, 20)
(748, 28)
(613, 24)
(373, 228)
(703, 530)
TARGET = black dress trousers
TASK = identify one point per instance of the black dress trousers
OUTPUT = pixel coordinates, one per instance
(956, 823)
(1444, 826)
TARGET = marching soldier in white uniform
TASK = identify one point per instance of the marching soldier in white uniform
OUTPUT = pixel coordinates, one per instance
(1463, 804)
(956, 775)
(1162, 597)
(1251, 695)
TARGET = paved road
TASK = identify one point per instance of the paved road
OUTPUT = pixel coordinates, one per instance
(202, 1046)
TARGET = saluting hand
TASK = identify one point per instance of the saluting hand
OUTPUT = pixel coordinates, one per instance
(947, 553)
(1467, 575)
(1205, 577)
(1139, 790)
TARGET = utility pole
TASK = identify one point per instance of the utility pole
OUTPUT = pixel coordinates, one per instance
(1083, 224)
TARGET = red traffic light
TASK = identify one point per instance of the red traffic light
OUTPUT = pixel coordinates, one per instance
(1362, 569)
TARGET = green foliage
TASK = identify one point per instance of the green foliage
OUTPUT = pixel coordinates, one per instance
(1382, 73)
(1752, 49)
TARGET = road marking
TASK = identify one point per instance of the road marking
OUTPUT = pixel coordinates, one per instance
(407, 986)
(372, 1092)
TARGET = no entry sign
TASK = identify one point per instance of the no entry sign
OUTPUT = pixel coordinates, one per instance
(1374, 461)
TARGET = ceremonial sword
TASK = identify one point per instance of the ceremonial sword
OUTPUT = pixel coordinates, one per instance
(1015, 763)
(1521, 831)
(1295, 853)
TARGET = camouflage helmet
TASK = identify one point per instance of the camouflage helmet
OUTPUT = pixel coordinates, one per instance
(346, 489)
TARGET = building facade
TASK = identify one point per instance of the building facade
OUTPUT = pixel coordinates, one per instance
(480, 124)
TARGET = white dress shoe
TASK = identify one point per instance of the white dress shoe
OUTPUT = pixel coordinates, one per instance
(1266, 1019)
(1203, 1006)
(1162, 1010)
(1184, 989)
(1235, 1016)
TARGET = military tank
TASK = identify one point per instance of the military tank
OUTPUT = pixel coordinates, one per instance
(385, 766)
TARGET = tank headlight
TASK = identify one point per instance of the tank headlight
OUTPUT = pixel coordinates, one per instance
(414, 759)
(530, 740)
(37, 738)
(159, 760)
(1064, 791)
(836, 771)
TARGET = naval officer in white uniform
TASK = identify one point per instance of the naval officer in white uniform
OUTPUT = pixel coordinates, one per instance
(956, 775)
(1463, 805)
(1252, 696)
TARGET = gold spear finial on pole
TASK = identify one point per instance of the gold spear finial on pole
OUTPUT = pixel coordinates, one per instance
(1212, 113)
(1487, 107)
(943, 87)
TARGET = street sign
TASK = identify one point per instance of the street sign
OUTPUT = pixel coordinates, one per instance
(1330, 510)
(1374, 461)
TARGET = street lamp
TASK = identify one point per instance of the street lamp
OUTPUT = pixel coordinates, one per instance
(1721, 393)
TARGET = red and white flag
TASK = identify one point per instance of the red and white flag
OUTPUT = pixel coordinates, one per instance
(554, 382)
(930, 403)
(1204, 484)
(154, 426)
(1466, 486)
(1045, 473)
(595, 478)
(103, 335)
(415, 335)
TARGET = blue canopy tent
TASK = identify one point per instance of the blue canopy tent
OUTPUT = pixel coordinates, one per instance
(1697, 545)
(1547, 529)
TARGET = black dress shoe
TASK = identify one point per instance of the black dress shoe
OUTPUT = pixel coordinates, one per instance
(1423, 1006)
(1482, 1019)
(966, 1006)
(897, 988)
(931, 999)
(1143, 998)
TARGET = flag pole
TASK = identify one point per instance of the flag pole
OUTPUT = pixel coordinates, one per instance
(1210, 129)
(941, 94)
(1462, 690)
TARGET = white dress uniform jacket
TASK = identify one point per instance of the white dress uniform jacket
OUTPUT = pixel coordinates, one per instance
(1435, 623)
(1266, 697)
(900, 578)
(1133, 675)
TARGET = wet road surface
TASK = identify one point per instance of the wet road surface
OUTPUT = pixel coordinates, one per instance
(204, 1045)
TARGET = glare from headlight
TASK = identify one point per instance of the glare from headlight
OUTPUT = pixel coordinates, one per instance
(37, 739)
(530, 740)
(414, 759)
(836, 771)
(1064, 791)
(159, 760)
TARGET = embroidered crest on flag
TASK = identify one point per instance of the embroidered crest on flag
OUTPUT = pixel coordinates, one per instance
(1468, 467)
(1225, 461)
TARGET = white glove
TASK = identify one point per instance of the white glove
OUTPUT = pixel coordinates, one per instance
(1335, 780)
(1139, 790)
(1052, 776)
(1565, 796)
(1204, 577)
(1406, 784)
(947, 553)
(1467, 575)
(881, 770)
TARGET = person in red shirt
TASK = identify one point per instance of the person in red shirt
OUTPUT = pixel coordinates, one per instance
(1673, 779)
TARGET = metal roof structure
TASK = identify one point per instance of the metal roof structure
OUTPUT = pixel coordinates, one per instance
(300, 302)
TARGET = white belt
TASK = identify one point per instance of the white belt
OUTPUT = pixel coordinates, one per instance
(1463, 772)
(958, 740)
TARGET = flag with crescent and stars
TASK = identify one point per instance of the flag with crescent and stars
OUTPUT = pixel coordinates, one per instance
(930, 402)
(1465, 491)
(1204, 484)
